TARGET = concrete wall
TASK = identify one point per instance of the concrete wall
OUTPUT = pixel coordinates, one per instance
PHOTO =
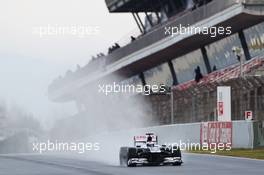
(242, 134)
(258, 134)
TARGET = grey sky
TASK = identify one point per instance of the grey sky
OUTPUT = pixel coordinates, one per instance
(29, 63)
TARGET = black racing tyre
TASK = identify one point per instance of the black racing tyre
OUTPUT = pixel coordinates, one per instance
(176, 152)
(131, 153)
(125, 154)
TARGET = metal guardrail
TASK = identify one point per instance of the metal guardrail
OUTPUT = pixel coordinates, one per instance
(158, 34)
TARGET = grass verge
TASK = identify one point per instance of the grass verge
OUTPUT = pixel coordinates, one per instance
(257, 153)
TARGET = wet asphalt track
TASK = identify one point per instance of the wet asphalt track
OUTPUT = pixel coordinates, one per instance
(62, 165)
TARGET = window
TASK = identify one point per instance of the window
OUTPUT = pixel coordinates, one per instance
(255, 39)
(220, 53)
(159, 75)
(184, 66)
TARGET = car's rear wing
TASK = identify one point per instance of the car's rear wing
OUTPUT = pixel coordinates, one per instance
(143, 139)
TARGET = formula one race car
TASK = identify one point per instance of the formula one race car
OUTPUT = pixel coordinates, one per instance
(147, 152)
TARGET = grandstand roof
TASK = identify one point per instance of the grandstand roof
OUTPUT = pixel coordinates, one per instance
(134, 5)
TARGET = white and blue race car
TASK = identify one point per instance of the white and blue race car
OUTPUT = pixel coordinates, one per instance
(146, 151)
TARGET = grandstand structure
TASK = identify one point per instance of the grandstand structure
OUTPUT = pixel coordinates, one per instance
(155, 58)
(196, 102)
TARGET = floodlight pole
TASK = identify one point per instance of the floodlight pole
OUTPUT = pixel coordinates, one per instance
(172, 106)
(241, 67)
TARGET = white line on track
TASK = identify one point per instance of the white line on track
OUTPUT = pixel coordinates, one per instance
(222, 156)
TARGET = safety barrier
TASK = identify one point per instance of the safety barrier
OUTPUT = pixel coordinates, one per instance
(244, 134)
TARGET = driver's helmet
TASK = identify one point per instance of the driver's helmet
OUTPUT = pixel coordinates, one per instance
(149, 141)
